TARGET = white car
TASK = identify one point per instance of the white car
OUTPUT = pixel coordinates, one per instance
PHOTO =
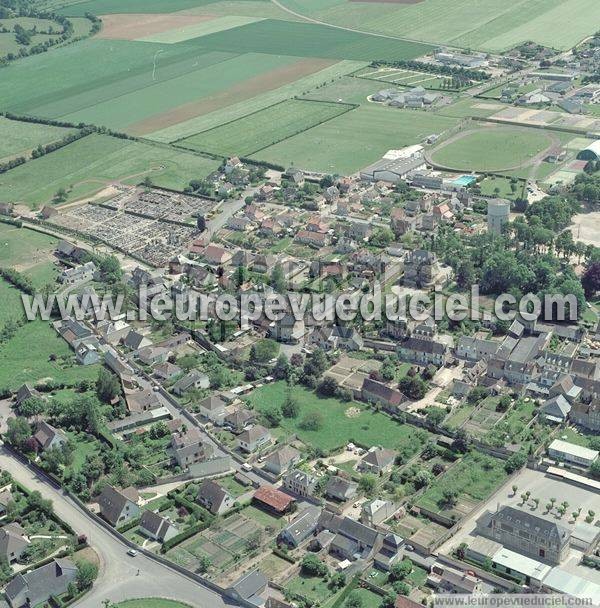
(132, 552)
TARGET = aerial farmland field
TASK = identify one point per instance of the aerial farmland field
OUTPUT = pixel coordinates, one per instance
(90, 164)
(21, 137)
(266, 127)
(478, 24)
(355, 139)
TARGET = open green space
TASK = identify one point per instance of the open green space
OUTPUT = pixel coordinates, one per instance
(29, 252)
(313, 588)
(472, 24)
(501, 187)
(89, 164)
(356, 139)
(11, 308)
(491, 149)
(338, 427)
(279, 37)
(37, 352)
(344, 90)
(261, 129)
(473, 479)
(107, 7)
(262, 100)
(17, 138)
(58, 84)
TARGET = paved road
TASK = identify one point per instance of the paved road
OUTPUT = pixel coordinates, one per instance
(118, 578)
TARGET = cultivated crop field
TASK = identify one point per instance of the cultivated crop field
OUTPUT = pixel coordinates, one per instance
(248, 135)
(90, 164)
(478, 24)
(21, 137)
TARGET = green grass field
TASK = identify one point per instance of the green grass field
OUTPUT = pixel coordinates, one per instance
(11, 308)
(261, 129)
(403, 78)
(492, 149)
(309, 40)
(29, 252)
(475, 477)
(259, 102)
(478, 24)
(27, 357)
(368, 428)
(89, 164)
(106, 7)
(18, 138)
(356, 139)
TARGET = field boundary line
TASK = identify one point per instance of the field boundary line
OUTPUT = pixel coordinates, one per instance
(347, 108)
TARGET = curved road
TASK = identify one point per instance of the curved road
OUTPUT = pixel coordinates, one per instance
(118, 578)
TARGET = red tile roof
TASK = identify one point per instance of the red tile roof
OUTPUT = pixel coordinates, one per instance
(273, 498)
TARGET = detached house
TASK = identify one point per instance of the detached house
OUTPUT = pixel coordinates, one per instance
(377, 460)
(254, 438)
(13, 542)
(279, 461)
(188, 447)
(47, 437)
(118, 506)
(214, 498)
(156, 527)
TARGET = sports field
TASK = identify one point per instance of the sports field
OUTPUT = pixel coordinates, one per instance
(477, 24)
(491, 149)
(352, 141)
(90, 164)
(18, 137)
(404, 78)
(261, 129)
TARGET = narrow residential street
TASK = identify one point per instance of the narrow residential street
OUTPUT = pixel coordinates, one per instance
(121, 576)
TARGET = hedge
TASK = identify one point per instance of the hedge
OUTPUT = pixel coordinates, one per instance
(179, 538)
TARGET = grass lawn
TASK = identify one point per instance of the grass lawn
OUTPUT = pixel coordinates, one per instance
(491, 149)
(11, 306)
(89, 164)
(232, 486)
(368, 428)
(475, 477)
(27, 358)
(574, 436)
(264, 128)
(503, 185)
(354, 140)
(311, 587)
(29, 252)
(266, 520)
(18, 138)
(369, 598)
(83, 445)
